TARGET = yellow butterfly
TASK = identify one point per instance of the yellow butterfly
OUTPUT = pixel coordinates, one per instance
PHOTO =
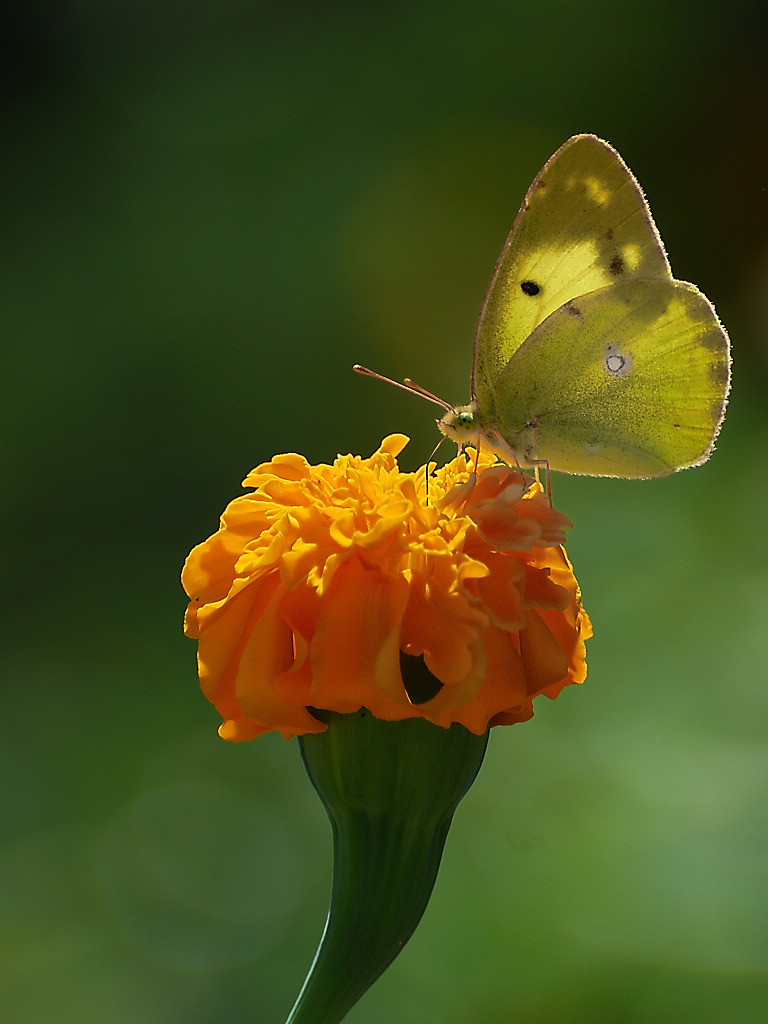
(590, 357)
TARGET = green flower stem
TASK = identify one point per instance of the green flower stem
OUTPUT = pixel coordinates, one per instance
(390, 790)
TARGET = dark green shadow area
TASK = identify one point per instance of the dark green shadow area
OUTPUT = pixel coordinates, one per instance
(211, 210)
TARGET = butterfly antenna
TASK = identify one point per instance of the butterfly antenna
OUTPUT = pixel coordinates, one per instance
(407, 385)
(417, 389)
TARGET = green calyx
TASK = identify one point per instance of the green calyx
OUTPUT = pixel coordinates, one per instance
(390, 790)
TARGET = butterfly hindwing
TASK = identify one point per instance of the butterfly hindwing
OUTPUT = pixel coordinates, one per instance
(629, 380)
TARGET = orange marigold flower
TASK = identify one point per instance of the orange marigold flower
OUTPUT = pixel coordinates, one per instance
(325, 584)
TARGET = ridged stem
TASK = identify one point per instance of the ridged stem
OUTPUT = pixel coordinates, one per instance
(390, 790)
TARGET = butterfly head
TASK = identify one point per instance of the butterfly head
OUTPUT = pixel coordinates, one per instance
(461, 424)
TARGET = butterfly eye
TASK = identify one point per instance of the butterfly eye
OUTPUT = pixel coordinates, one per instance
(529, 288)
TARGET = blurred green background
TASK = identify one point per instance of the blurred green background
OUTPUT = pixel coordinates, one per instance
(210, 211)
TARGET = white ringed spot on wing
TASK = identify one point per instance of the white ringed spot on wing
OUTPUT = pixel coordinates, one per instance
(617, 363)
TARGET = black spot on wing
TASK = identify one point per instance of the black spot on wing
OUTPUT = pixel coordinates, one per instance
(609, 234)
(617, 266)
(529, 288)
(572, 310)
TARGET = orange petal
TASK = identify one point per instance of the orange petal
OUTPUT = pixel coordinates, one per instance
(359, 612)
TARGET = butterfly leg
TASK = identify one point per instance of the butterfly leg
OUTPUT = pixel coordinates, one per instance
(429, 461)
(501, 448)
(544, 464)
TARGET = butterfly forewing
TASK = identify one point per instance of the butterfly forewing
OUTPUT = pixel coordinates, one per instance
(630, 380)
(584, 224)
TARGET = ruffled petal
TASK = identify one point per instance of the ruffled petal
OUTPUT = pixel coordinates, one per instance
(318, 580)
